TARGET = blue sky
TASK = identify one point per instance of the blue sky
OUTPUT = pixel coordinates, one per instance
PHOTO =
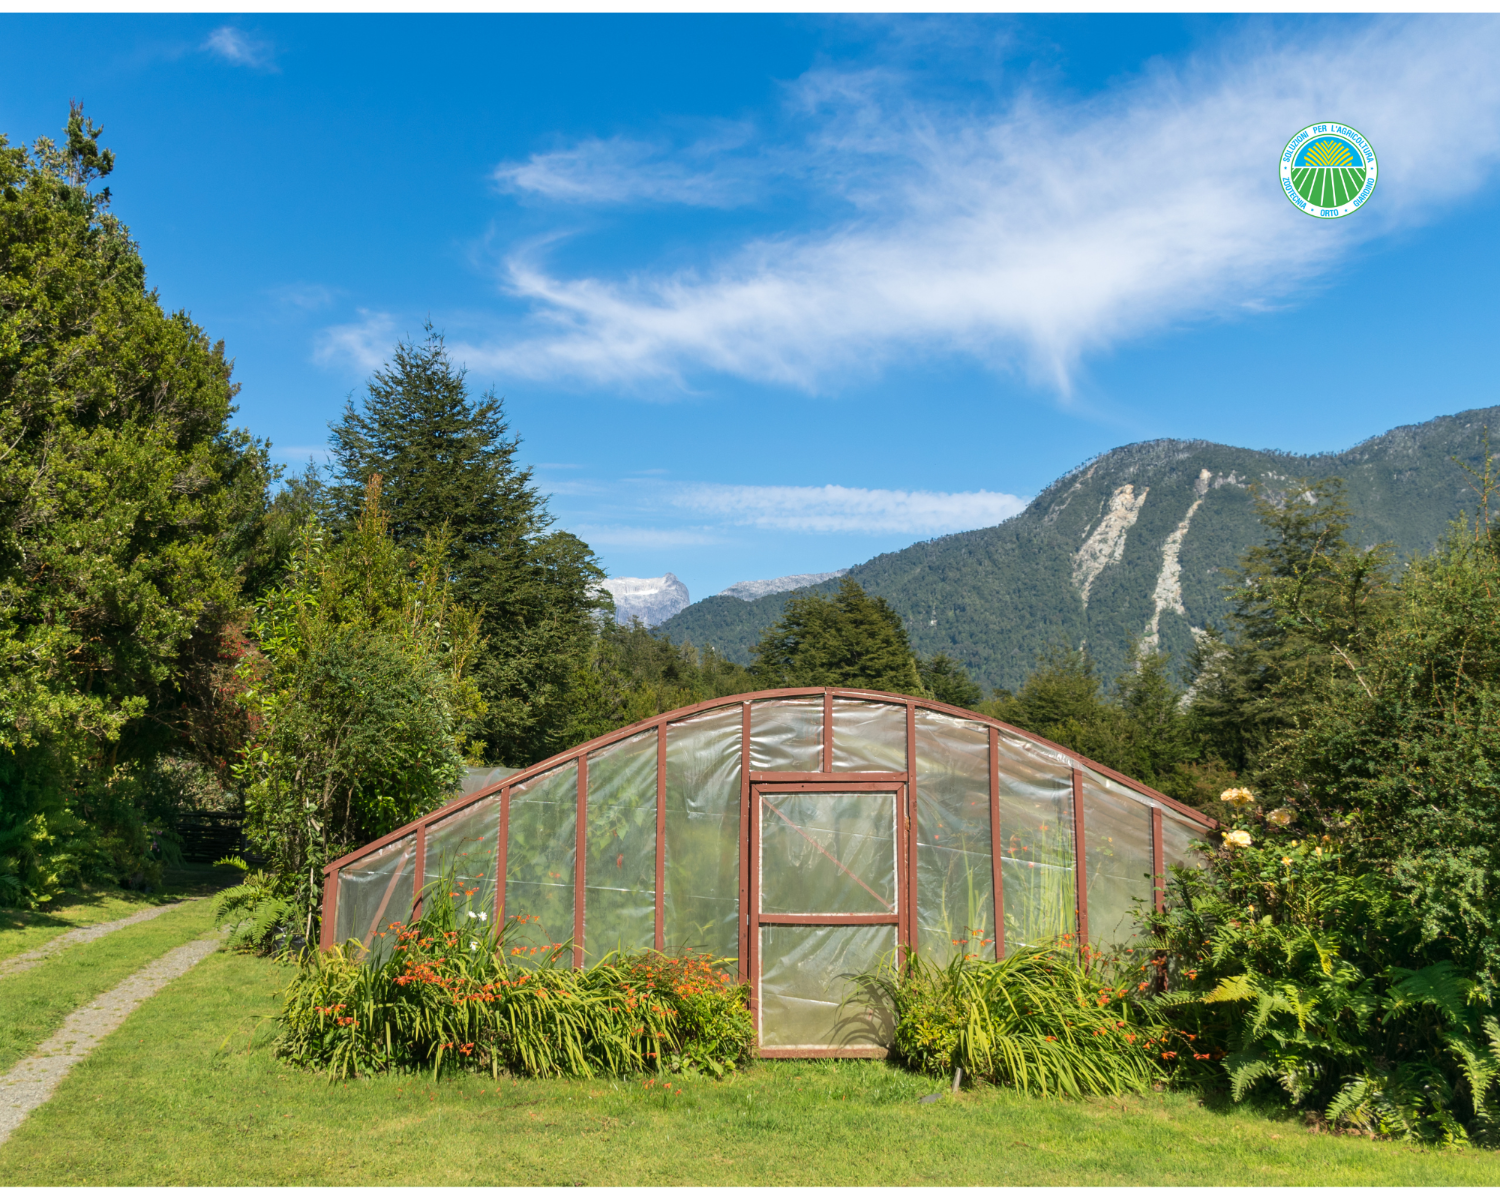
(768, 295)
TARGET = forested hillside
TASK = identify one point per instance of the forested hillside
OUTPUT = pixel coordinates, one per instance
(1134, 544)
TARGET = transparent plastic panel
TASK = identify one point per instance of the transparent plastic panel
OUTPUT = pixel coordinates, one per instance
(828, 852)
(955, 852)
(376, 891)
(787, 735)
(467, 844)
(1117, 845)
(702, 904)
(619, 895)
(1036, 843)
(1177, 838)
(540, 856)
(808, 997)
(868, 736)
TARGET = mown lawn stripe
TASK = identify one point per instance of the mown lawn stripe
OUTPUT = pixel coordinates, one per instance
(34, 1003)
(188, 1092)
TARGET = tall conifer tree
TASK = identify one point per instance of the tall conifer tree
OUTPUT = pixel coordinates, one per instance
(449, 460)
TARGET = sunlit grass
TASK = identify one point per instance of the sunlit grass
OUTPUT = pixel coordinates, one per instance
(187, 1092)
(34, 1003)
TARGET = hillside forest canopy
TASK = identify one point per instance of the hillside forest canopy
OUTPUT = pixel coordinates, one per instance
(184, 629)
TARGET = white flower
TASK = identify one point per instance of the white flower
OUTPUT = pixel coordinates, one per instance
(1280, 816)
(484, 916)
(473, 945)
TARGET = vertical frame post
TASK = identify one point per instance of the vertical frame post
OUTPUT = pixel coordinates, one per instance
(500, 859)
(1158, 862)
(661, 833)
(580, 858)
(997, 844)
(1080, 860)
(746, 836)
(330, 909)
(827, 730)
(911, 806)
(420, 870)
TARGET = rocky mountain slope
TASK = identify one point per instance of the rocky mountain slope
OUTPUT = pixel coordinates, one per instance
(1135, 544)
(652, 600)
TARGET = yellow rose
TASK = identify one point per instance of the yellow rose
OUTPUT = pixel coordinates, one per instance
(1239, 797)
(1237, 837)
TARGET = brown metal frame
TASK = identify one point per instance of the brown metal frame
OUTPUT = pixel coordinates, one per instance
(879, 783)
(824, 779)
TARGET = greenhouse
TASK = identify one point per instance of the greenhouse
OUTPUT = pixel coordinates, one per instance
(806, 834)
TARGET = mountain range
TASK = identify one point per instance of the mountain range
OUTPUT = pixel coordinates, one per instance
(1137, 543)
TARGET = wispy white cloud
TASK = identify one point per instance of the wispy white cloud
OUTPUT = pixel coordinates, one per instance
(241, 49)
(1033, 234)
(639, 537)
(305, 297)
(364, 345)
(624, 170)
(834, 509)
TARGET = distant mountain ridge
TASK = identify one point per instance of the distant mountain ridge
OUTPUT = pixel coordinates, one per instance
(652, 600)
(1135, 543)
(754, 589)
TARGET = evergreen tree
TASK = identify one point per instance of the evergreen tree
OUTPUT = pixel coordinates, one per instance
(130, 514)
(449, 463)
(944, 679)
(849, 639)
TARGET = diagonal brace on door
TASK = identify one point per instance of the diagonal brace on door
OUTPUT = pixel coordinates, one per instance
(818, 846)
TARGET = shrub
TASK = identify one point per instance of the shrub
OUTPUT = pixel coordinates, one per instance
(1037, 1020)
(1306, 977)
(257, 918)
(451, 991)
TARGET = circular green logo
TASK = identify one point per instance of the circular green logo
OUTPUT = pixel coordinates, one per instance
(1328, 170)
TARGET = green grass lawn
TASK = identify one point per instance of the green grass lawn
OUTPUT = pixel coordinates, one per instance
(187, 1092)
(22, 929)
(34, 1003)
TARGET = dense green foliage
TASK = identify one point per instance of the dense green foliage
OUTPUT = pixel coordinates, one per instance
(450, 991)
(131, 519)
(850, 639)
(449, 463)
(1304, 971)
(1040, 1020)
(359, 695)
(632, 675)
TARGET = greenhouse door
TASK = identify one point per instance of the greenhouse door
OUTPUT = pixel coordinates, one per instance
(826, 863)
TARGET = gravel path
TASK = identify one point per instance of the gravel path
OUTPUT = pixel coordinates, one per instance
(33, 1080)
(24, 962)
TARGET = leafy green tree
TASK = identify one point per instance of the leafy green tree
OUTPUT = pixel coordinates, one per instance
(944, 679)
(1394, 748)
(129, 514)
(848, 639)
(632, 675)
(449, 462)
(1138, 728)
(1305, 605)
(358, 695)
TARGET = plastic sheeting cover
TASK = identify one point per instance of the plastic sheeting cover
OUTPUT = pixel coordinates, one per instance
(1040, 898)
(1117, 846)
(467, 844)
(375, 891)
(540, 856)
(787, 735)
(1177, 838)
(868, 736)
(828, 852)
(955, 865)
(807, 994)
(619, 898)
(702, 902)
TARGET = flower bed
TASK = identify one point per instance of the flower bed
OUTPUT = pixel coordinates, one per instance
(449, 992)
